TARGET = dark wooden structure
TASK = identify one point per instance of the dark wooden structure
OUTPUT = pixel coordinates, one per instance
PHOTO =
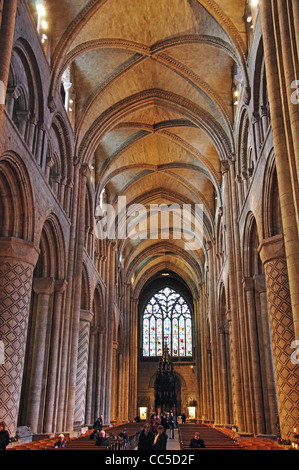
(165, 385)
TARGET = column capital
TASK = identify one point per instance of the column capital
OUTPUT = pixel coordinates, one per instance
(260, 283)
(224, 166)
(264, 111)
(272, 248)
(248, 283)
(209, 244)
(43, 285)
(76, 161)
(85, 170)
(255, 117)
(232, 159)
(96, 330)
(60, 286)
(86, 316)
(19, 250)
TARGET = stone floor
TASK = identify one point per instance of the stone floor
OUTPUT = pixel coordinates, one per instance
(173, 444)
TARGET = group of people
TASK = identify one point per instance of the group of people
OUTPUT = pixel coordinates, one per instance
(168, 422)
(152, 437)
(102, 438)
(150, 441)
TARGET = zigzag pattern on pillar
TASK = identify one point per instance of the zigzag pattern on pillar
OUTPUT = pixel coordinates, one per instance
(282, 333)
(15, 292)
(82, 372)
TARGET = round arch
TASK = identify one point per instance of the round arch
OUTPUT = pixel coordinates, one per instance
(16, 199)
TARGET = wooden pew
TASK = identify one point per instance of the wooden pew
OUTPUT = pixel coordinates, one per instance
(85, 443)
(212, 437)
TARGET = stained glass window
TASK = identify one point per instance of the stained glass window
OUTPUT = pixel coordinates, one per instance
(167, 320)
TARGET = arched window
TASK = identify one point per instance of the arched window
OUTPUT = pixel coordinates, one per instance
(167, 320)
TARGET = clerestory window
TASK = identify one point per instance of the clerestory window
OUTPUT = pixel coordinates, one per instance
(167, 320)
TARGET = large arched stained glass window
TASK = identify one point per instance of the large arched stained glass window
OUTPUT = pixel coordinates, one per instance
(167, 320)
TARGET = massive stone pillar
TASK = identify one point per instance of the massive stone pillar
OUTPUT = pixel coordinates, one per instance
(282, 332)
(234, 304)
(224, 375)
(109, 328)
(100, 372)
(77, 283)
(44, 288)
(67, 314)
(214, 343)
(114, 382)
(17, 261)
(257, 395)
(281, 51)
(83, 350)
(133, 359)
(55, 358)
(270, 393)
(90, 393)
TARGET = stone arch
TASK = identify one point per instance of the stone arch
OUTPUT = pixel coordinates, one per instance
(16, 199)
(261, 110)
(98, 307)
(272, 221)
(24, 98)
(59, 164)
(220, 242)
(222, 140)
(89, 219)
(45, 334)
(259, 93)
(252, 264)
(243, 153)
(52, 259)
(85, 290)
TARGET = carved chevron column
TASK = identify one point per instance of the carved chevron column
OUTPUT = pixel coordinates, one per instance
(17, 260)
(83, 348)
(282, 332)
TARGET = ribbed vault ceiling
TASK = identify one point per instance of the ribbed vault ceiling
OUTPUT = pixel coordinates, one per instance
(153, 108)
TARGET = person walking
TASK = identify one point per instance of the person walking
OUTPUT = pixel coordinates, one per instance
(172, 424)
(98, 425)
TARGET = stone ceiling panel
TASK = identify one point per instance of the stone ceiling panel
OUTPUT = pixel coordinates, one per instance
(152, 81)
(147, 21)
